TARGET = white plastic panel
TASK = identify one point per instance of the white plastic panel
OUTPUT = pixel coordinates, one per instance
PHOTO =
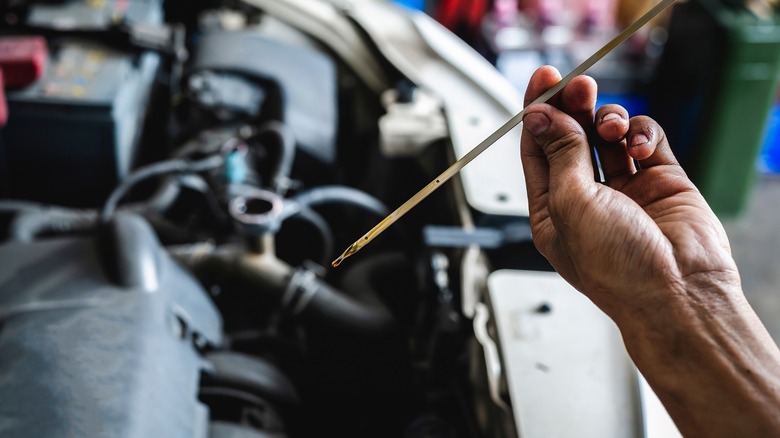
(493, 182)
(568, 372)
(476, 99)
(658, 423)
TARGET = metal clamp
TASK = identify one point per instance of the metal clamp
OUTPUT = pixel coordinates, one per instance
(303, 286)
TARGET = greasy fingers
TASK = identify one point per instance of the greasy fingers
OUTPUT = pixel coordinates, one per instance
(611, 127)
(578, 99)
(612, 123)
(564, 144)
(535, 168)
(647, 143)
(542, 80)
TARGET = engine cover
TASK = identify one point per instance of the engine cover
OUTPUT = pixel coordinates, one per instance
(100, 337)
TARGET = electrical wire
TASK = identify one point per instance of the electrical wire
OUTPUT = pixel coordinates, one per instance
(169, 167)
(280, 180)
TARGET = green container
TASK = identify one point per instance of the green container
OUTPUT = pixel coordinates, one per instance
(745, 91)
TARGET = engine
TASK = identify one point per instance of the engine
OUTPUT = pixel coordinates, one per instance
(176, 179)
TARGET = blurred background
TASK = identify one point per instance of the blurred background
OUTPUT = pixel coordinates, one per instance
(176, 177)
(707, 71)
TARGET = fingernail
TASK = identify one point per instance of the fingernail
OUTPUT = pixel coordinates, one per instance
(639, 139)
(610, 116)
(536, 123)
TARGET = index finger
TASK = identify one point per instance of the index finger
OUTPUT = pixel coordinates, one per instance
(542, 80)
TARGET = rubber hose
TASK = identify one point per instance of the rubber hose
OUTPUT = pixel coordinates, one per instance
(27, 226)
(152, 170)
(383, 275)
(15, 206)
(286, 141)
(326, 306)
(162, 199)
(323, 229)
(338, 195)
(337, 310)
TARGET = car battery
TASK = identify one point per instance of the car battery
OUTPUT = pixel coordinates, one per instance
(72, 135)
(92, 14)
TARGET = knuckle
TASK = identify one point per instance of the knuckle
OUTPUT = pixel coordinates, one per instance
(643, 121)
(647, 126)
(569, 138)
(611, 108)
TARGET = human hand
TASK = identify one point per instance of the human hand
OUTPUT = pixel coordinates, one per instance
(643, 237)
(646, 248)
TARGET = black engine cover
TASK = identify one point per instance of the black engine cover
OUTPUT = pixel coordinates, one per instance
(99, 337)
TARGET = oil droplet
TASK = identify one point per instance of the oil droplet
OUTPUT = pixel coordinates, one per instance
(355, 247)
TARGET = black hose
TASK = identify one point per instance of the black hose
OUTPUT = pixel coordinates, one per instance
(32, 223)
(157, 169)
(300, 292)
(337, 310)
(323, 229)
(389, 276)
(34, 219)
(303, 205)
(337, 195)
(280, 180)
(162, 199)
(16, 206)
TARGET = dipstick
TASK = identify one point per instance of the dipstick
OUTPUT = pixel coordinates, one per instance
(500, 132)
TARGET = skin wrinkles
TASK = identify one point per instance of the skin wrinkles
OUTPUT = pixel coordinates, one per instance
(578, 98)
(694, 240)
(601, 255)
(662, 148)
(608, 136)
(657, 184)
(647, 250)
(561, 149)
(560, 203)
(612, 131)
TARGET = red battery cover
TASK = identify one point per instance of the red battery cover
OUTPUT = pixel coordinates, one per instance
(3, 103)
(22, 59)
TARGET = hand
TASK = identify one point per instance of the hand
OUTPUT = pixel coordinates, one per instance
(645, 247)
(632, 241)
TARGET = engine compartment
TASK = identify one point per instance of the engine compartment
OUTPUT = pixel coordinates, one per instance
(224, 139)
(174, 184)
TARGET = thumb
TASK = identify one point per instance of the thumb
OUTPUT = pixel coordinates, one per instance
(565, 145)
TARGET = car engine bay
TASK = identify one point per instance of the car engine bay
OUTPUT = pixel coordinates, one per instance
(174, 183)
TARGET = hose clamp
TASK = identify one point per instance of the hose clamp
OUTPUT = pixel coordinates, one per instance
(303, 286)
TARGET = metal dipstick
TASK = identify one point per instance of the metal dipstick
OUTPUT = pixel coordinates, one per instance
(500, 132)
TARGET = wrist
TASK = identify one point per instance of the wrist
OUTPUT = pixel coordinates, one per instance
(683, 303)
(688, 310)
(705, 347)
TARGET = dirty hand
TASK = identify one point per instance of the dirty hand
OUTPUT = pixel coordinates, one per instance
(645, 247)
(637, 239)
